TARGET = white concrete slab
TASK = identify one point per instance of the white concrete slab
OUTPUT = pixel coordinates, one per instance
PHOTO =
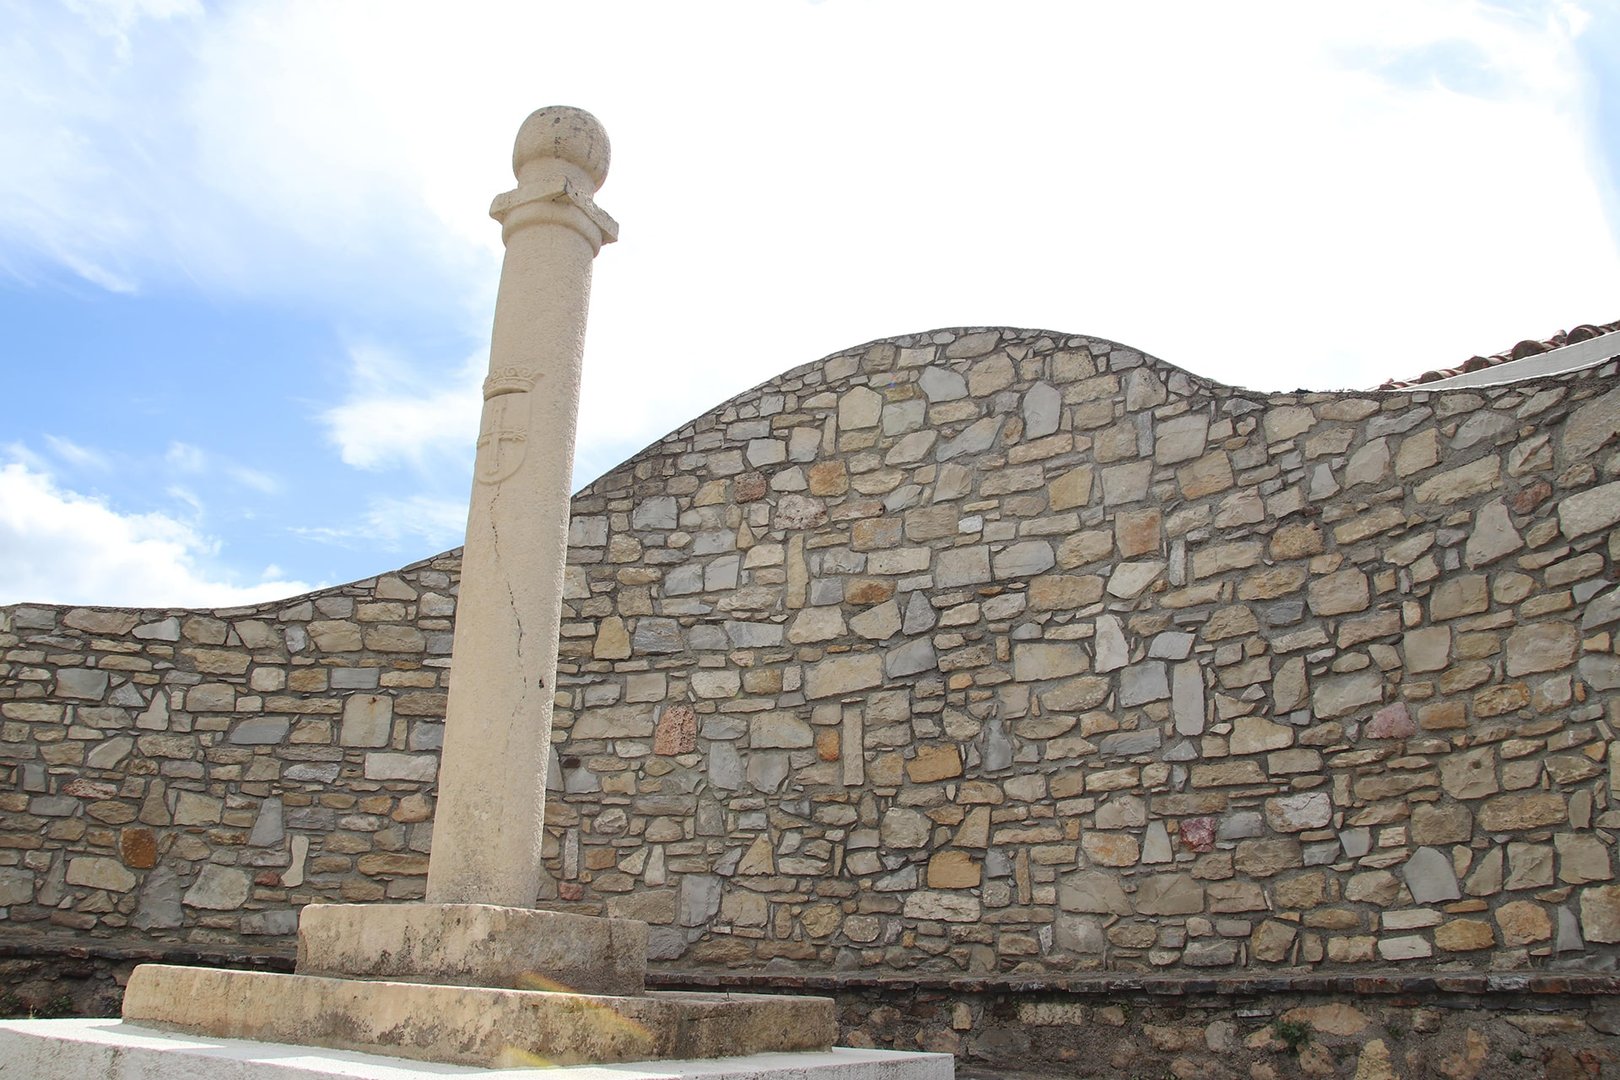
(80, 1049)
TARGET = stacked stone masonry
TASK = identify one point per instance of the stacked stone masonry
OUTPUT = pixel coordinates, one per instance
(973, 651)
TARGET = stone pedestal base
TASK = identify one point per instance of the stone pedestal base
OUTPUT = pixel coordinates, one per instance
(77, 1049)
(472, 984)
(474, 945)
(472, 1025)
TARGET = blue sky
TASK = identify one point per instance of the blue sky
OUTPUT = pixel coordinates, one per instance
(246, 269)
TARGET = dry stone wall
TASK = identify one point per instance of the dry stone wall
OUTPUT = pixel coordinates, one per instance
(199, 776)
(974, 651)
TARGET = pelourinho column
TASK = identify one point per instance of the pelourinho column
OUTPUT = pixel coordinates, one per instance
(487, 829)
(451, 979)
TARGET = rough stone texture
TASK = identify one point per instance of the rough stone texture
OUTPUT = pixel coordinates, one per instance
(1109, 1028)
(1247, 690)
(474, 945)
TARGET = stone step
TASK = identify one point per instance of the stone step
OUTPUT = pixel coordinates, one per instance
(474, 945)
(484, 1026)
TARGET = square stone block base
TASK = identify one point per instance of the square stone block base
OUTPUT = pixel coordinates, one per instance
(474, 945)
(482, 1026)
(96, 1049)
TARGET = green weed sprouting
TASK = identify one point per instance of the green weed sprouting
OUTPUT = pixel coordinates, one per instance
(1293, 1034)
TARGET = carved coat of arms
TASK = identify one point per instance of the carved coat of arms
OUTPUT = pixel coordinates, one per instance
(503, 433)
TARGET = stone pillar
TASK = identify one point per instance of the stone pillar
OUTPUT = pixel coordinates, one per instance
(487, 829)
(454, 979)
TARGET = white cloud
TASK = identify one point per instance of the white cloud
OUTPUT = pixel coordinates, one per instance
(262, 482)
(95, 273)
(396, 415)
(186, 457)
(159, 143)
(65, 548)
(114, 20)
(20, 452)
(190, 499)
(391, 523)
(1271, 194)
(120, 15)
(195, 461)
(1218, 194)
(72, 193)
(442, 523)
(80, 456)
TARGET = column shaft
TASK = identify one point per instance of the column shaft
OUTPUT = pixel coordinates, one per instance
(488, 826)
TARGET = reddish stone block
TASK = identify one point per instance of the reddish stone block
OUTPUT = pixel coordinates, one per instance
(1523, 502)
(1198, 834)
(1391, 722)
(138, 848)
(676, 732)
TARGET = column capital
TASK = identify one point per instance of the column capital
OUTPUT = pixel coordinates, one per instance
(560, 159)
(554, 200)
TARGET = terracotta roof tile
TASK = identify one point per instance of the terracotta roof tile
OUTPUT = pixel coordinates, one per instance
(1583, 332)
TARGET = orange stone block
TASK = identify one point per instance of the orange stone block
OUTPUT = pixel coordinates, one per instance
(138, 848)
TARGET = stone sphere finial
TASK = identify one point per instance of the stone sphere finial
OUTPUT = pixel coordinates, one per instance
(561, 131)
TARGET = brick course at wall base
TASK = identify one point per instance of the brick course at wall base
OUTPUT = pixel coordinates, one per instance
(1241, 1033)
(53, 975)
(1232, 1028)
(1459, 1026)
(968, 652)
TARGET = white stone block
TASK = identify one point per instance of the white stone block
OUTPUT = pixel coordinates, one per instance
(75, 1049)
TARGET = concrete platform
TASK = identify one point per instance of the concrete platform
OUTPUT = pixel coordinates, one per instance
(117, 1050)
(473, 1025)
